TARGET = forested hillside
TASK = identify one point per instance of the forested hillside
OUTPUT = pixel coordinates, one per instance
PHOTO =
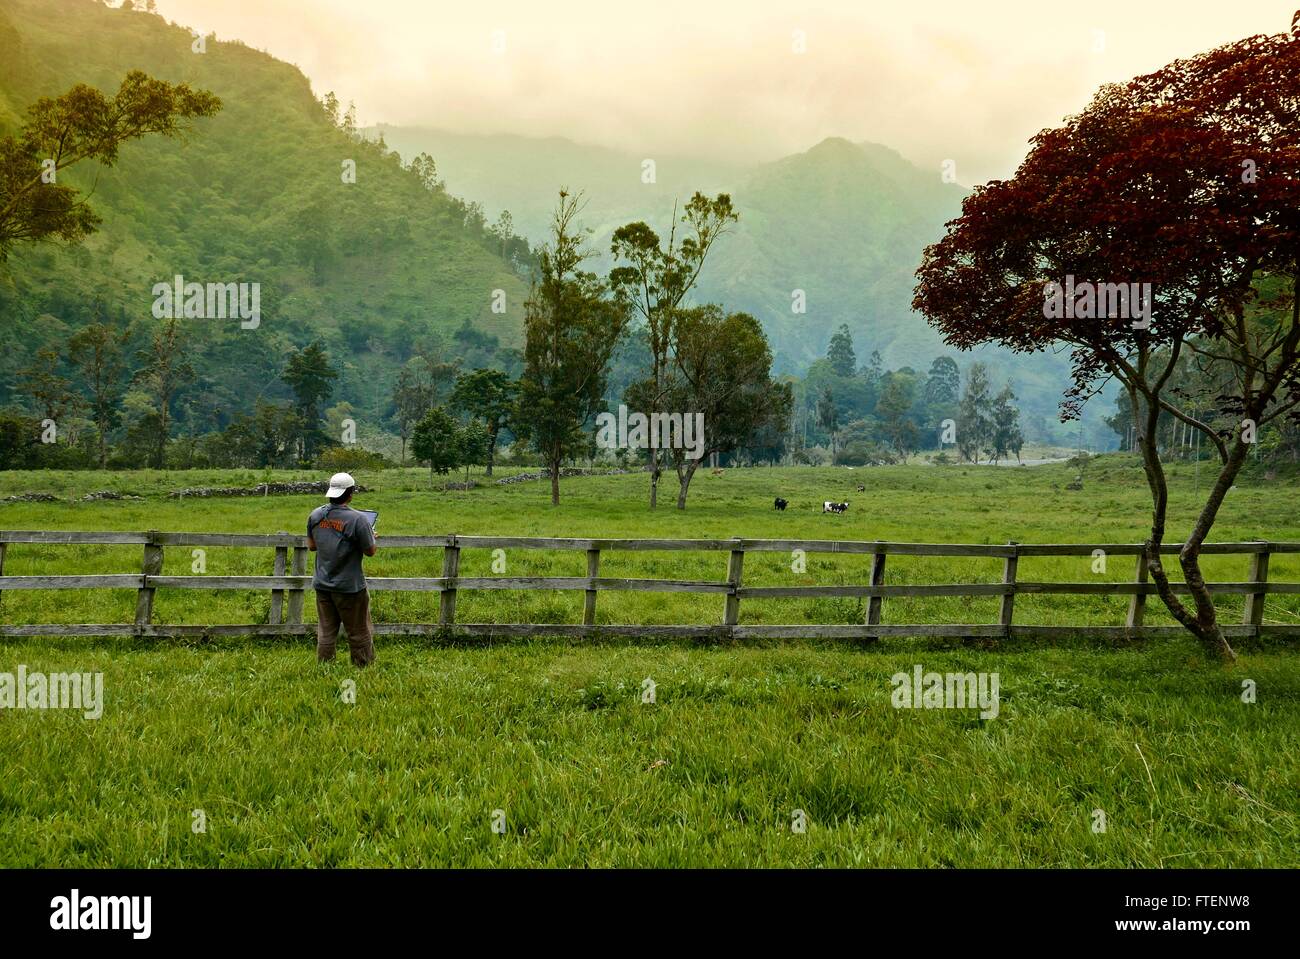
(372, 269)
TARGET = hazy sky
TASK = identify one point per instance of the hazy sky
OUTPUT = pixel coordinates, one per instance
(969, 81)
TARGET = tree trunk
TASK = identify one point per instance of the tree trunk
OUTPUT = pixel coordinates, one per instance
(655, 473)
(492, 452)
(1204, 624)
(656, 373)
(684, 481)
(554, 467)
(1189, 557)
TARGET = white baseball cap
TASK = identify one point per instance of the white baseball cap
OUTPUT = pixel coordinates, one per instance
(340, 483)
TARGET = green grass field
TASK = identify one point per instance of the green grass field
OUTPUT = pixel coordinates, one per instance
(258, 736)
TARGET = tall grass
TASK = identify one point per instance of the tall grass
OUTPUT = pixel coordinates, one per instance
(555, 734)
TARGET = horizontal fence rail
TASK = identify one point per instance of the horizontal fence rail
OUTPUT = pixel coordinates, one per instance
(289, 581)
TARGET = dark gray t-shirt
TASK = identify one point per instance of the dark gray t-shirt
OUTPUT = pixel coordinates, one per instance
(342, 535)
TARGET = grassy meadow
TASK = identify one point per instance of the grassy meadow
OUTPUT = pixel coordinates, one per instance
(554, 733)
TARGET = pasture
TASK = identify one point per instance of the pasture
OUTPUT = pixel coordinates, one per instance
(555, 734)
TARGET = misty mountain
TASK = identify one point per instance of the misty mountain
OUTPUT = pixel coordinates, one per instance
(845, 223)
(524, 175)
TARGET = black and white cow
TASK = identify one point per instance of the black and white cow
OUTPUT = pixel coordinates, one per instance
(829, 507)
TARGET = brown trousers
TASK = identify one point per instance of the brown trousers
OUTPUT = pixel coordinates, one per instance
(353, 611)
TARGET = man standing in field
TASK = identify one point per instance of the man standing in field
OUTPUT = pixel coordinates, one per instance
(340, 536)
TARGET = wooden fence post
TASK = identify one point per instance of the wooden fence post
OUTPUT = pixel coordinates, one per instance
(1253, 614)
(1137, 604)
(151, 566)
(3, 547)
(450, 570)
(589, 599)
(277, 595)
(735, 569)
(299, 568)
(877, 579)
(1009, 579)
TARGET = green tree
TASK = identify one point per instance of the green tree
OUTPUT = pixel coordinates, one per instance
(437, 441)
(873, 371)
(412, 398)
(571, 327)
(840, 353)
(276, 430)
(943, 385)
(20, 443)
(655, 279)
(1007, 438)
(975, 416)
(828, 416)
(893, 409)
(426, 170)
(489, 396)
(48, 388)
(163, 372)
(723, 366)
(96, 351)
(309, 374)
(504, 230)
(474, 444)
(82, 124)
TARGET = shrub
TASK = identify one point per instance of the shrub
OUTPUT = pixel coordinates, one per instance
(347, 459)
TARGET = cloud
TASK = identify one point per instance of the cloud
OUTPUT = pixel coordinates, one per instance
(940, 80)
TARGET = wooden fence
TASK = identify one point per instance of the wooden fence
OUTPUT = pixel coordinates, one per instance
(289, 581)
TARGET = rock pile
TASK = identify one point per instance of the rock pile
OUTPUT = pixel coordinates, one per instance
(565, 472)
(31, 498)
(261, 489)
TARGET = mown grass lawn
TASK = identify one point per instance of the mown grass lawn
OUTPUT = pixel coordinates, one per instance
(556, 736)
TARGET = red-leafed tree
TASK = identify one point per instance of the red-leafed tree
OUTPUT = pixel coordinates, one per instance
(1187, 179)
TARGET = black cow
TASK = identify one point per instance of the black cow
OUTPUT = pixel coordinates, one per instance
(780, 504)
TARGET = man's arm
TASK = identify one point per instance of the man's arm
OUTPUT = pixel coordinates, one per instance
(365, 537)
(311, 543)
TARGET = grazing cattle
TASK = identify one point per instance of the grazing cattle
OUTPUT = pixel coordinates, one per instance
(829, 507)
(861, 488)
(780, 504)
(717, 472)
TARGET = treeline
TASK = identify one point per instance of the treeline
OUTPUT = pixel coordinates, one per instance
(867, 416)
(129, 397)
